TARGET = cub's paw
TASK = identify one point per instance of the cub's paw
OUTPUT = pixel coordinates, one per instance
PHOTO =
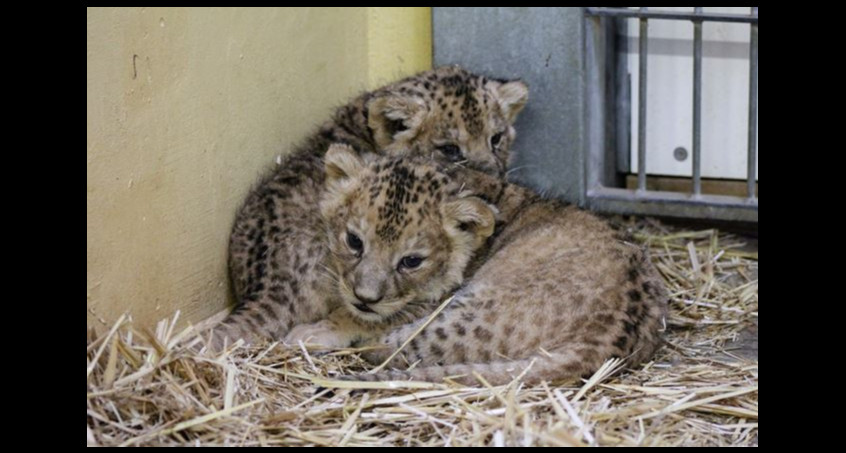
(320, 333)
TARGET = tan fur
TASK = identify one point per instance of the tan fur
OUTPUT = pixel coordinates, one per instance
(558, 292)
(446, 114)
(394, 209)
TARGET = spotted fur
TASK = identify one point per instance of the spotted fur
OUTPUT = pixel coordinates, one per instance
(555, 295)
(376, 217)
(275, 252)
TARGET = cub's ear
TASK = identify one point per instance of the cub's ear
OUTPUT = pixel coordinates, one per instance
(470, 214)
(393, 116)
(342, 162)
(512, 97)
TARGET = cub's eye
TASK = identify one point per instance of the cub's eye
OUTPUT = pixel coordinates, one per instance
(452, 152)
(496, 139)
(354, 242)
(411, 262)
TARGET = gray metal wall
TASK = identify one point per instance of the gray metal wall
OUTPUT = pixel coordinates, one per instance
(542, 46)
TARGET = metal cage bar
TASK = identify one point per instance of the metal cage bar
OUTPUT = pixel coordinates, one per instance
(672, 15)
(753, 107)
(603, 193)
(697, 104)
(641, 103)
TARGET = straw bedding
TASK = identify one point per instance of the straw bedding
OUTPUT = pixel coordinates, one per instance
(148, 387)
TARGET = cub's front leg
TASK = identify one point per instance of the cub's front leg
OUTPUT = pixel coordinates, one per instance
(324, 333)
(338, 330)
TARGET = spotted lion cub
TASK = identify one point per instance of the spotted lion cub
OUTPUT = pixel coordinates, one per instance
(554, 293)
(557, 293)
(447, 114)
(400, 235)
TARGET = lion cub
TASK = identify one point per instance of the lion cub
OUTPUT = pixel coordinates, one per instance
(557, 292)
(446, 114)
(399, 236)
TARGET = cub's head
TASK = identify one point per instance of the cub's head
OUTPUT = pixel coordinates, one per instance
(449, 114)
(399, 232)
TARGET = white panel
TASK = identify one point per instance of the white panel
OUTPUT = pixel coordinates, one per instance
(725, 95)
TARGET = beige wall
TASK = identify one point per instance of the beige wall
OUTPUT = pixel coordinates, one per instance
(186, 108)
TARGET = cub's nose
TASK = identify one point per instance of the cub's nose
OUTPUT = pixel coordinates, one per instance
(366, 297)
